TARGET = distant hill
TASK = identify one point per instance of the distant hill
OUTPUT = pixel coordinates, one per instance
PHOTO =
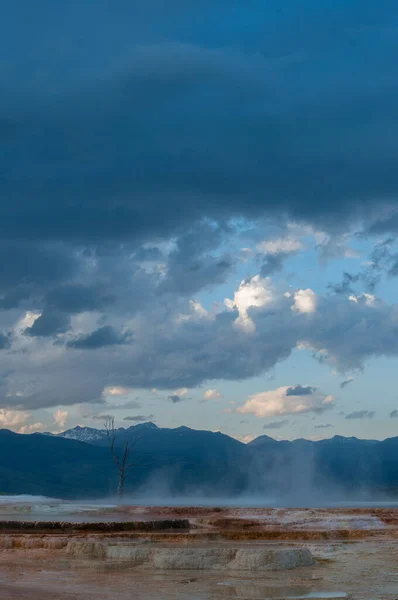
(77, 464)
(51, 466)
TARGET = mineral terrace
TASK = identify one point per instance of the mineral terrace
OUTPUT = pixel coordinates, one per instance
(128, 552)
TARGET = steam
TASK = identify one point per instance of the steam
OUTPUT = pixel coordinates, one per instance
(278, 478)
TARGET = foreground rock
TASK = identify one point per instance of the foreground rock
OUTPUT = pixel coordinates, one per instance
(194, 558)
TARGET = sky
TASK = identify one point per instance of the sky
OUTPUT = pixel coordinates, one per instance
(199, 216)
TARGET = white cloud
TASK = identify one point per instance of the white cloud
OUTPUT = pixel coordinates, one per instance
(285, 245)
(27, 320)
(198, 309)
(181, 392)
(256, 291)
(305, 301)
(196, 312)
(19, 421)
(286, 400)
(60, 418)
(306, 345)
(33, 427)
(212, 395)
(318, 438)
(245, 439)
(13, 419)
(117, 390)
(23, 342)
(85, 322)
(368, 299)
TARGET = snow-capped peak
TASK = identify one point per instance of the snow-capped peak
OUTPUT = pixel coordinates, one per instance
(83, 434)
(90, 434)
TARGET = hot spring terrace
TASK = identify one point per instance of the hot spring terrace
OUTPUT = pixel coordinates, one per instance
(196, 552)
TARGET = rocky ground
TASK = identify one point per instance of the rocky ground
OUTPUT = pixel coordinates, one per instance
(225, 553)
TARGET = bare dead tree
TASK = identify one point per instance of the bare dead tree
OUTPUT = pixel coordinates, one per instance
(122, 457)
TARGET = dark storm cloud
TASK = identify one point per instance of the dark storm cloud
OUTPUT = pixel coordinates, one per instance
(49, 388)
(130, 404)
(346, 285)
(75, 298)
(394, 414)
(175, 398)
(189, 353)
(346, 382)
(193, 264)
(139, 418)
(148, 254)
(361, 414)
(276, 424)
(26, 269)
(173, 353)
(327, 426)
(368, 279)
(102, 417)
(146, 122)
(273, 263)
(159, 124)
(384, 226)
(104, 336)
(299, 390)
(12, 298)
(273, 255)
(34, 264)
(49, 324)
(382, 260)
(5, 343)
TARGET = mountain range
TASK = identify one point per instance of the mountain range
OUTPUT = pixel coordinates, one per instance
(187, 462)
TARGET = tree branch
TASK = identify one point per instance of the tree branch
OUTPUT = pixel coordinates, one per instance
(111, 435)
(121, 459)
